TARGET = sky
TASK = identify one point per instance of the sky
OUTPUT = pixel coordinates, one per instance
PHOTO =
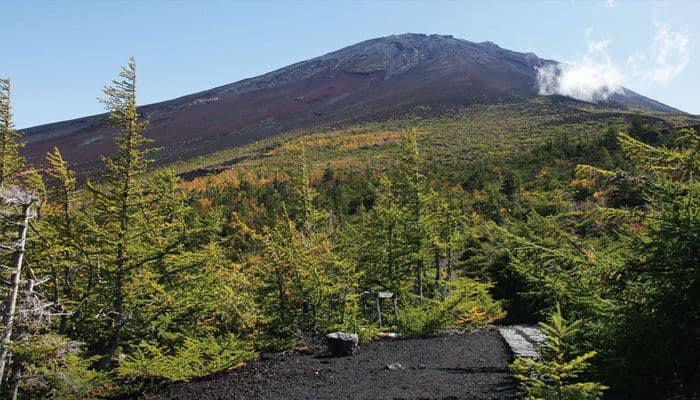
(60, 54)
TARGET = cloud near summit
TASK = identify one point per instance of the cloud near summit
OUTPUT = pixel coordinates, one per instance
(595, 77)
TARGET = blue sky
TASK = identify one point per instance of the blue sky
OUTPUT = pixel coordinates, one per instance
(59, 54)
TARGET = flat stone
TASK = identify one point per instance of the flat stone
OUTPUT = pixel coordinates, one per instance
(534, 334)
(518, 343)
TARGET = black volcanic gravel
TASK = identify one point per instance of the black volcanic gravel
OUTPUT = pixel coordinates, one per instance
(458, 366)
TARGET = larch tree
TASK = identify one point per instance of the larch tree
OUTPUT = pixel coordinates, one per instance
(57, 234)
(662, 291)
(557, 377)
(396, 223)
(119, 200)
(10, 160)
(444, 225)
(409, 185)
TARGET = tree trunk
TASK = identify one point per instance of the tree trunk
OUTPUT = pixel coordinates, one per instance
(3, 156)
(12, 297)
(67, 284)
(119, 319)
(449, 247)
(390, 257)
(15, 390)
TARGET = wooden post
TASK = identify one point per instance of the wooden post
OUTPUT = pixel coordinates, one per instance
(449, 248)
(379, 310)
(15, 390)
(12, 296)
(420, 280)
(438, 272)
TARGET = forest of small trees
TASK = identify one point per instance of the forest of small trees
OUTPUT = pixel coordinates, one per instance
(134, 279)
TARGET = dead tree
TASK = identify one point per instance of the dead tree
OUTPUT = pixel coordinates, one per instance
(12, 198)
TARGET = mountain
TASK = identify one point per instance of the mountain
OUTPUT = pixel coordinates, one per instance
(375, 79)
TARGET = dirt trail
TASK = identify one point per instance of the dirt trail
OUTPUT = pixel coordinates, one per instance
(459, 366)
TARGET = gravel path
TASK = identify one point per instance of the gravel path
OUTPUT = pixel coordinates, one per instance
(459, 366)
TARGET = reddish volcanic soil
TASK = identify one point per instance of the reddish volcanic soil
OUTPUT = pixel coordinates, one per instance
(459, 366)
(375, 79)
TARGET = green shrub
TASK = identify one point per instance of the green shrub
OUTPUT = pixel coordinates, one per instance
(194, 358)
(468, 302)
(49, 366)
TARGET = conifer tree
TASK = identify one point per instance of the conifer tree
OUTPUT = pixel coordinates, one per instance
(41, 364)
(10, 160)
(309, 215)
(556, 376)
(118, 223)
(382, 252)
(304, 282)
(662, 289)
(408, 185)
(443, 224)
(19, 206)
(58, 232)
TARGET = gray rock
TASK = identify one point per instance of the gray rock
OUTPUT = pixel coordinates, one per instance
(341, 343)
(395, 367)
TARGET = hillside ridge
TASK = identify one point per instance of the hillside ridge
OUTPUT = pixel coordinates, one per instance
(374, 79)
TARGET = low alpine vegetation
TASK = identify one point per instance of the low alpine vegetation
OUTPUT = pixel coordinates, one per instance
(136, 278)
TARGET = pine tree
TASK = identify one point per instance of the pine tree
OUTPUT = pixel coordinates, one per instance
(305, 194)
(395, 232)
(410, 185)
(662, 289)
(556, 376)
(443, 223)
(58, 232)
(383, 252)
(10, 160)
(119, 225)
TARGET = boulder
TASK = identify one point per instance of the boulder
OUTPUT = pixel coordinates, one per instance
(341, 343)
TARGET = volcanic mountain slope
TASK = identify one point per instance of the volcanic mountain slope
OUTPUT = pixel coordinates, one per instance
(374, 79)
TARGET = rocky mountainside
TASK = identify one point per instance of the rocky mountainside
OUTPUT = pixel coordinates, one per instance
(375, 79)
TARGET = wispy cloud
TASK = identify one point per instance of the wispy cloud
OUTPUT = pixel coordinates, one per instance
(594, 76)
(670, 53)
(609, 3)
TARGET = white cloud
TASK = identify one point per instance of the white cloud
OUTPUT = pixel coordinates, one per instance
(587, 82)
(670, 53)
(609, 3)
(594, 76)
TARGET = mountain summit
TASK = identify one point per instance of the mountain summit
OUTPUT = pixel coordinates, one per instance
(374, 79)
